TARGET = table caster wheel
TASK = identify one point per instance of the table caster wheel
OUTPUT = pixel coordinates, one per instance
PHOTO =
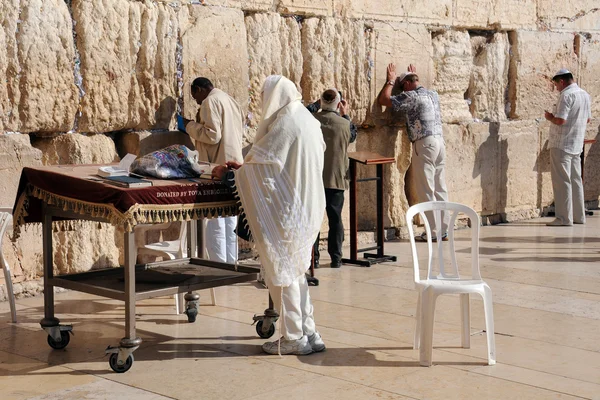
(114, 365)
(64, 336)
(263, 334)
(191, 314)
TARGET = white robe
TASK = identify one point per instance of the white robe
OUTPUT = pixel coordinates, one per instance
(280, 184)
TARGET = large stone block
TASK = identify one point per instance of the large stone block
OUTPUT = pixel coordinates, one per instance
(127, 51)
(591, 177)
(589, 73)
(388, 141)
(38, 92)
(504, 14)
(536, 58)
(274, 47)
(9, 66)
(489, 77)
(76, 148)
(214, 46)
(453, 61)
(472, 166)
(435, 12)
(144, 142)
(16, 152)
(305, 7)
(569, 15)
(401, 44)
(519, 166)
(335, 55)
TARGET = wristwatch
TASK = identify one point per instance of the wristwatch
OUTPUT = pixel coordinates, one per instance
(391, 83)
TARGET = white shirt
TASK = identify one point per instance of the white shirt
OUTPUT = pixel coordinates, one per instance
(219, 130)
(574, 106)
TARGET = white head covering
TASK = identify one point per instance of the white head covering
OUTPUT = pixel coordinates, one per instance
(562, 71)
(333, 104)
(280, 184)
(277, 93)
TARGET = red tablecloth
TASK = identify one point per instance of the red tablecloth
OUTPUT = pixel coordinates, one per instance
(76, 188)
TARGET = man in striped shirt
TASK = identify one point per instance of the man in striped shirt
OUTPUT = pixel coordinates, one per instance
(567, 131)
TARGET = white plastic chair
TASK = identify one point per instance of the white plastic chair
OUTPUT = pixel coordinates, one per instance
(5, 221)
(447, 282)
(168, 250)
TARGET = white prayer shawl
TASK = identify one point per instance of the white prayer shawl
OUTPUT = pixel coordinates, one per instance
(280, 184)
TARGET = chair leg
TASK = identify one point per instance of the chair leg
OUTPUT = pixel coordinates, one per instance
(9, 289)
(179, 303)
(213, 297)
(427, 319)
(417, 338)
(489, 324)
(465, 311)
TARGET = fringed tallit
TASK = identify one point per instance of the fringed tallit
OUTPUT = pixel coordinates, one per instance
(280, 184)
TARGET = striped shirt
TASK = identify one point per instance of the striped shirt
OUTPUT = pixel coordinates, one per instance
(423, 115)
(574, 106)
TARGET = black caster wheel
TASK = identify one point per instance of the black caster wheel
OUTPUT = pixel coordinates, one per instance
(264, 335)
(65, 337)
(112, 361)
(191, 314)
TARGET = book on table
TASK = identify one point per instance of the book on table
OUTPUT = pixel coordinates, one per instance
(206, 169)
(117, 170)
(127, 181)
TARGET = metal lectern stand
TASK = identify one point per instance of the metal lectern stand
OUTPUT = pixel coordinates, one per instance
(367, 158)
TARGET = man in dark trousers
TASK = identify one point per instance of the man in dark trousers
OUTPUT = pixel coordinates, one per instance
(338, 133)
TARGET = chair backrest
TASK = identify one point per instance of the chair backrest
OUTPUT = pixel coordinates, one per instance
(5, 221)
(452, 210)
(183, 240)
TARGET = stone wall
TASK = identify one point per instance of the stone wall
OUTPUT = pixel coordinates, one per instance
(88, 81)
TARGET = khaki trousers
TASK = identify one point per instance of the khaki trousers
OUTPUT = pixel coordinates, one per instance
(429, 170)
(567, 185)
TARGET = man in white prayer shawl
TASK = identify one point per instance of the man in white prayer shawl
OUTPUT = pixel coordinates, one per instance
(280, 187)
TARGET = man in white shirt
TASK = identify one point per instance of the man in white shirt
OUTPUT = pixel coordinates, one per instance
(567, 132)
(218, 133)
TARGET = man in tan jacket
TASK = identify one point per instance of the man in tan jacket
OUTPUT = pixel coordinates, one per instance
(218, 132)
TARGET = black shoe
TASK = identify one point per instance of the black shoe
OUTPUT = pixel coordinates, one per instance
(335, 264)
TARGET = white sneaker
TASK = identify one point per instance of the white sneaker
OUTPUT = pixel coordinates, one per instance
(558, 222)
(297, 347)
(316, 343)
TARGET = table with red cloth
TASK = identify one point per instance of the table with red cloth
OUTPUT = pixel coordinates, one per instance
(61, 193)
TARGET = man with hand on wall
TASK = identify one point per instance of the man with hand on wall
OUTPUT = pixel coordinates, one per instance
(567, 132)
(338, 133)
(218, 134)
(424, 125)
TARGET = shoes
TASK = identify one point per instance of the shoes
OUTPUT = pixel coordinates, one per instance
(557, 222)
(316, 343)
(335, 264)
(423, 237)
(297, 347)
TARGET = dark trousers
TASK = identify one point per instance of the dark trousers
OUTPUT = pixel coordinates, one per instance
(334, 202)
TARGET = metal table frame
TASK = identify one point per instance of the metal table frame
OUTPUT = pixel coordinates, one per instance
(121, 355)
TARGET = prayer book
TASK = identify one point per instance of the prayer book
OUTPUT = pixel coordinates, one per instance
(206, 169)
(127, 181)
(120, 170)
